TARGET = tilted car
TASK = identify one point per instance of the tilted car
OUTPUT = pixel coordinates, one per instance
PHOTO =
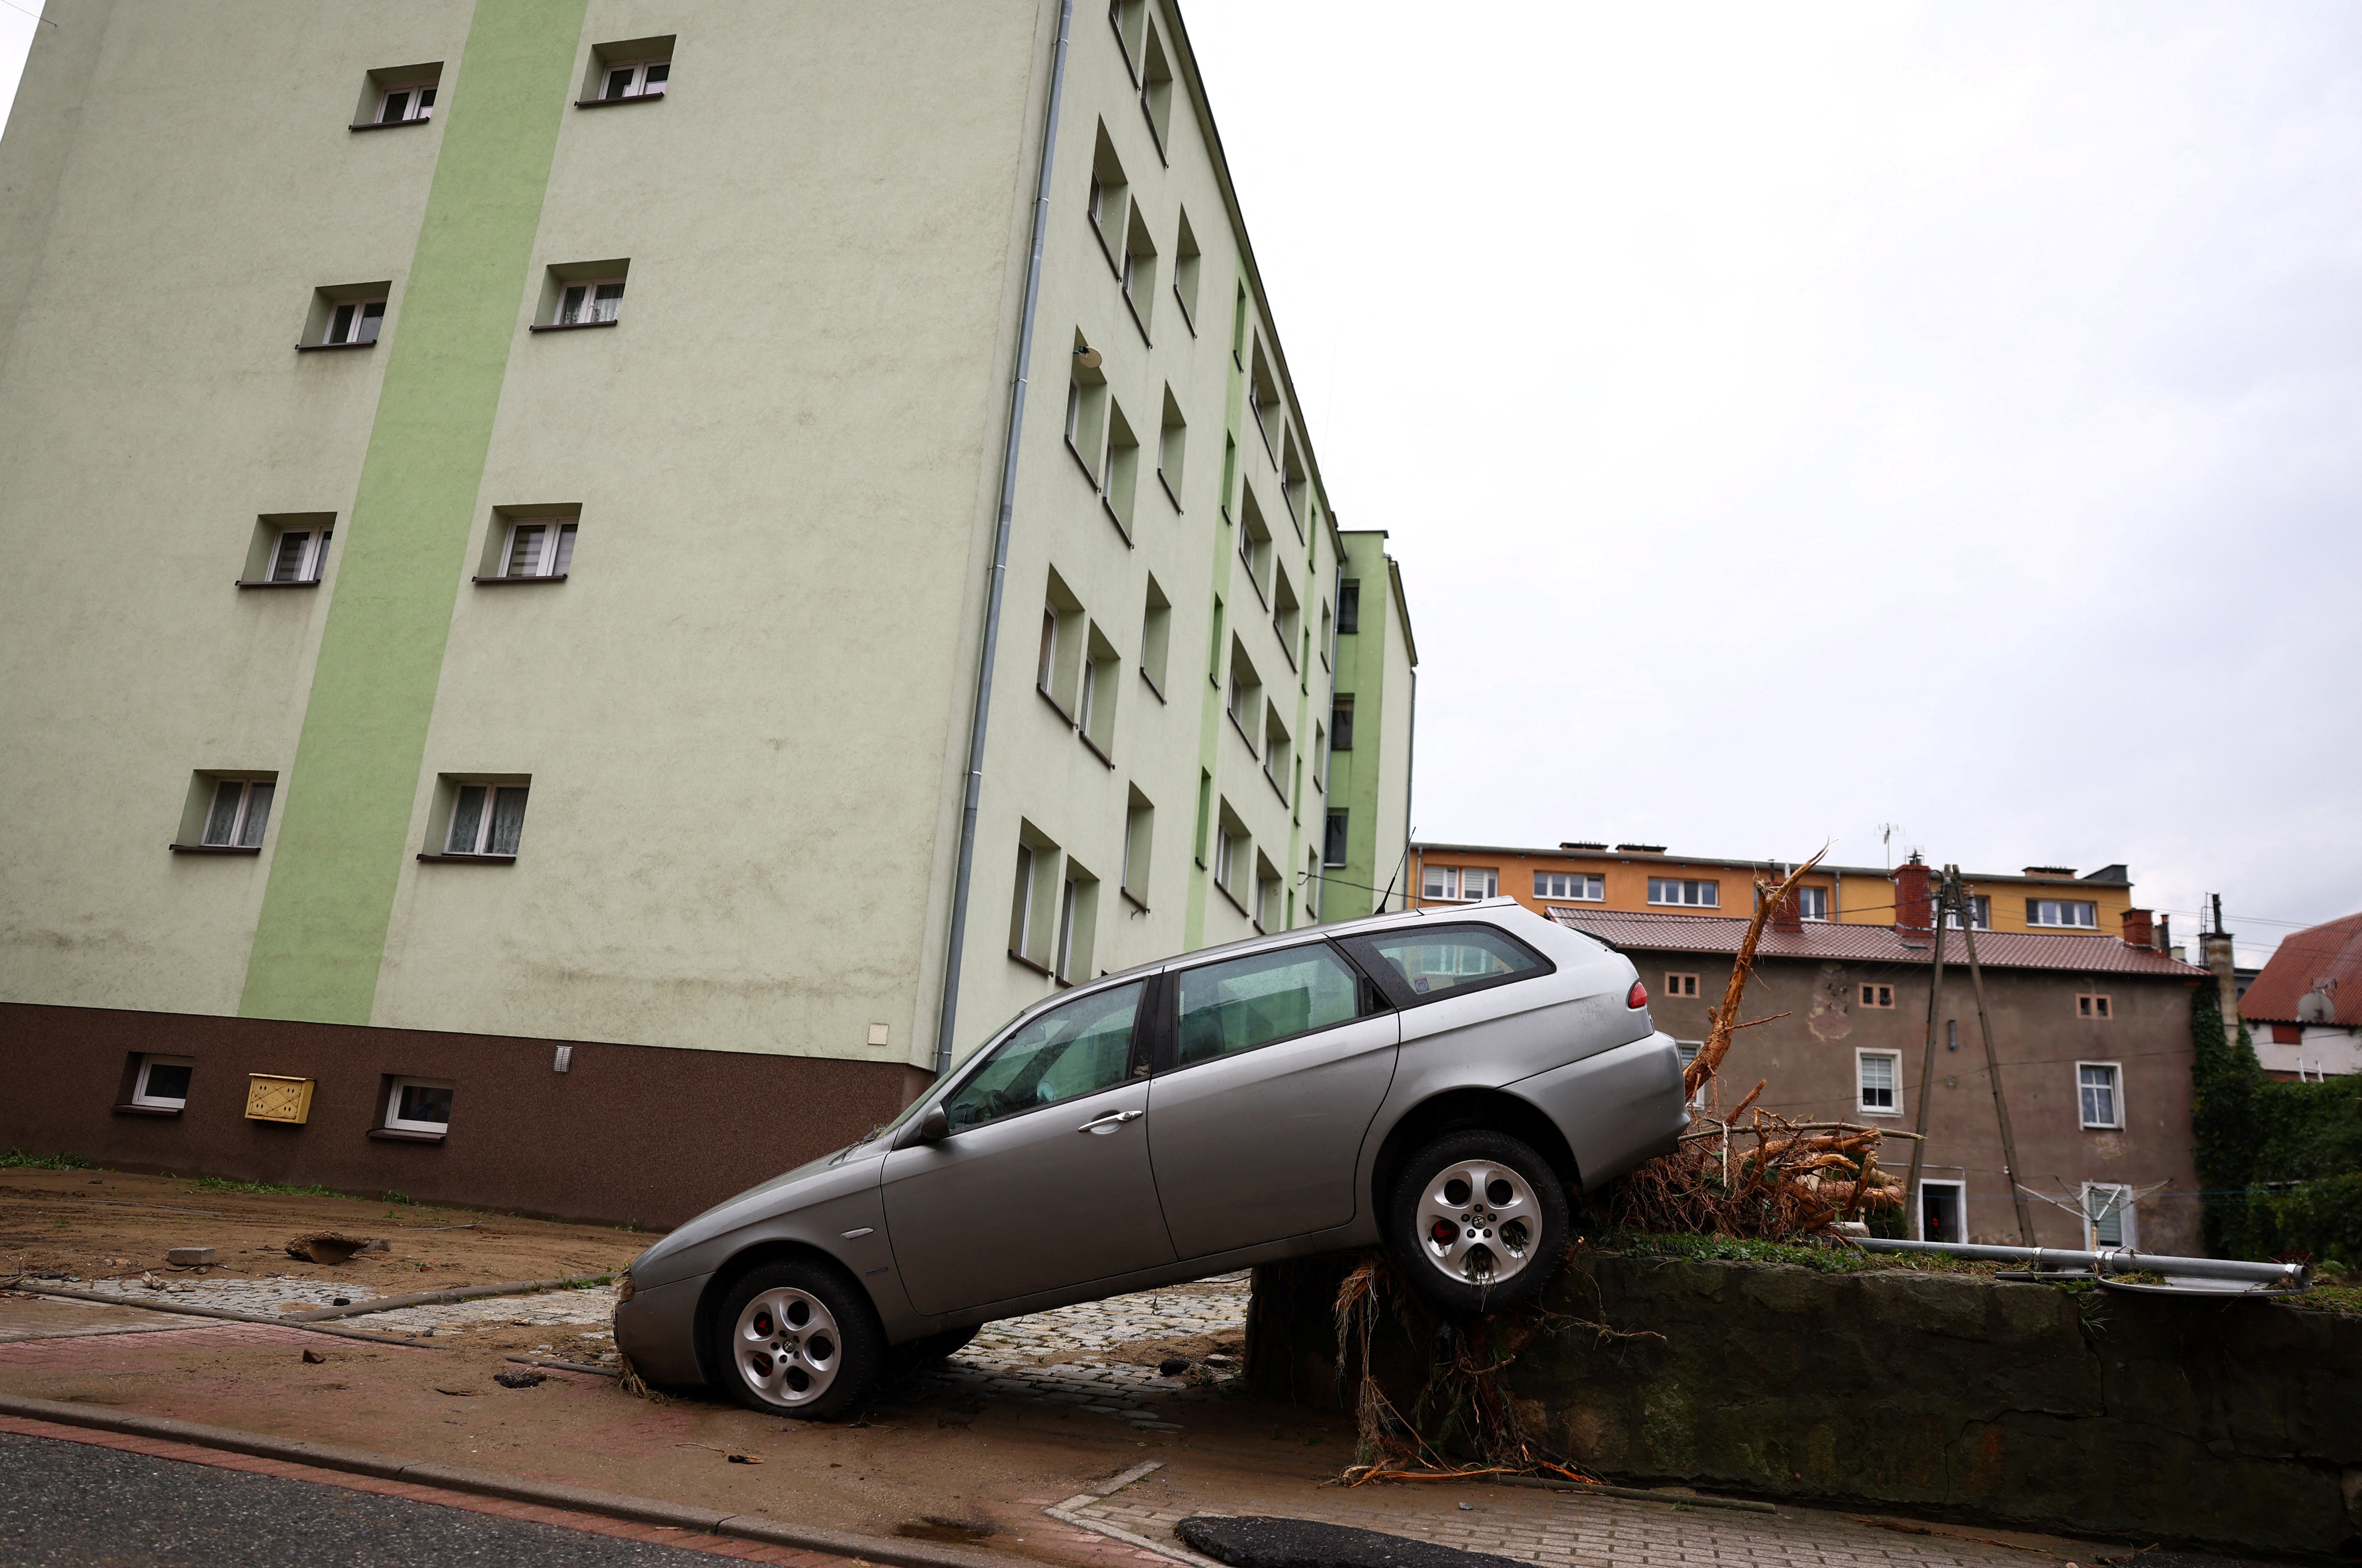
(1438, 1081)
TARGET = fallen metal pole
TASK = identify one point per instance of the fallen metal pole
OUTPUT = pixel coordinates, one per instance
(2107, 1260)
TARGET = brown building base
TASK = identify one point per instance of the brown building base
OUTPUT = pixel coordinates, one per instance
(629, 1134)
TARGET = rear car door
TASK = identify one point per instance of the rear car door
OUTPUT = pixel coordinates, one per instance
(1043, 1181)
(1270, 1069)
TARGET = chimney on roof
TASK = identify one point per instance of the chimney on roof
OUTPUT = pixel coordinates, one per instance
(1786, 916)
(2140, 929)
(1911, 903)
(1641, 848)
(2164, 943)
(2215, 951)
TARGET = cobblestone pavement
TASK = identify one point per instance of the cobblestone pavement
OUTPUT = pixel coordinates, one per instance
(233, 1295)
(1559, 1531)
(593, 1308)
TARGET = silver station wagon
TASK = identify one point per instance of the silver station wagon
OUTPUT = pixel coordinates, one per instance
(1438, 1082)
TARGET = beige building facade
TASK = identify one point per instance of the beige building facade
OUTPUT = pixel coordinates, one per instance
(556, 538)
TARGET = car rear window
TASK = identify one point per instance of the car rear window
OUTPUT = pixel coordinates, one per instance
(1425, 962)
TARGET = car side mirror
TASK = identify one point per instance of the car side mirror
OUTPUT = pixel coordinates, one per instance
(935, 1126)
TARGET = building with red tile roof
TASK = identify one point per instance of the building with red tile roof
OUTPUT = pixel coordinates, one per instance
(2305, 1008)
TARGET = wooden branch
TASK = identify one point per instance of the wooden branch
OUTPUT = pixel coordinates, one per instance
(1717, 1040)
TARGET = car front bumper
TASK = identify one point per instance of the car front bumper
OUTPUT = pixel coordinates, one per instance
(657, 1332)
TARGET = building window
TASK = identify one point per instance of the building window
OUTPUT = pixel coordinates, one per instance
(1341, 724)
(1026, 933)
(418, 1105)
(163, 1082)
(298, 554)
(1138, 832)
(1137, 273)
(1673, 890)
(1172, 446)
(346, 317)
(240, 809)
(1107, 205)
(1335, 839)
(636, 79)
(1813, 904)
(2095, 1006)
(1349, 607)
(1266, 899)
(2062, 912)
(594, 302)
(1979, 913)
(1570, 885)
(1878, 996)
(1185, 272)
(2108, 1215)
(1155, 636)
(1078, 917)
(1681, 985)
(399, 106)
(485, 819)
(1467, 883)
(2099, 1093)
(1096, 698)
(1232, 849)
(537, 549)
(1880, 1076)
(1246, 694)
(1943, 1211)
(1689, 1050)
(1119, 469)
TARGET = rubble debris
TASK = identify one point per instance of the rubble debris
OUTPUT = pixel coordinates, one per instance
(745, 1459)
(518, 1379)
(1172, 1366)
(191, 1257)
(326, 1247)
(313, 1358)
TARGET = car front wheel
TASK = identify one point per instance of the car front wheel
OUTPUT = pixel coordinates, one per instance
(798, 1338)
(1479, 1222)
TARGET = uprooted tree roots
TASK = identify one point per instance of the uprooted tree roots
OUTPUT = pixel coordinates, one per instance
(1769, 1179)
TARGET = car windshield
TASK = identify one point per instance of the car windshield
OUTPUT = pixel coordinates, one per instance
(1077, 1049)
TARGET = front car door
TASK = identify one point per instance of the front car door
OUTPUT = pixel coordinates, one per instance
(1043, 1182)
(1273, 1065)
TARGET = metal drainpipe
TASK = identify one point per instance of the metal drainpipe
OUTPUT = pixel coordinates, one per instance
(999, 578)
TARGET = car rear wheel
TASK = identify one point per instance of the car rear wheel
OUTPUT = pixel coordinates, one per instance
(1478, 1221)
(798, 1338)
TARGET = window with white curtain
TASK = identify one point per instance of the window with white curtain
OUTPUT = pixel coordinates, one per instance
(2099, 1092)
(545, 548)
(1881, 1081)
(240, 811)
(485, 819)
(298, 554)
(591, 303)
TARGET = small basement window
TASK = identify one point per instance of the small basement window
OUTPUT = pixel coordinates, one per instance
(418, 1105)
(162, 1082)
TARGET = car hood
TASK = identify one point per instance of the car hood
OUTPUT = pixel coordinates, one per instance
(684, 1250)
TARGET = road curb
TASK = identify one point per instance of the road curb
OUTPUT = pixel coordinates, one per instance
(444, 1297)
(883, 1549)
(222, 1314)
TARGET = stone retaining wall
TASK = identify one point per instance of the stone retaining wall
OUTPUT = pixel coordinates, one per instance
(2230, 1424)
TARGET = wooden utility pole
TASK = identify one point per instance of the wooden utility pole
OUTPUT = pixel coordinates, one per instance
(1927, 1070)
(1992, 1062)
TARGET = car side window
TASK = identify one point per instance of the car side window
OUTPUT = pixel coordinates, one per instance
(1068, 1052)
(1236, 1005)
(1424, 963)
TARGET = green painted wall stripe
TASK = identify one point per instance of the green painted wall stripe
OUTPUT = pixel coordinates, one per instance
(345, 831)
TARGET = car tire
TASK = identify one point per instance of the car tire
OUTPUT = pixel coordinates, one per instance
(1478, 1221)
(914, 1357)
(799, 1339)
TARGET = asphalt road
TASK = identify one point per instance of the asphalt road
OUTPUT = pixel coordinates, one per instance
(69, 1505)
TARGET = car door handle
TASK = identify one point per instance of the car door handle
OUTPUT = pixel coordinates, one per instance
(1111, 1121)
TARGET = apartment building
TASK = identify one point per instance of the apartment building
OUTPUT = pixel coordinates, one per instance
(1364, 870)
(667, 568)
(2090, 1036)
(1650, 877)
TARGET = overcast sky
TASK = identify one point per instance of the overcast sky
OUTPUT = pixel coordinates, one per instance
(1793, 419)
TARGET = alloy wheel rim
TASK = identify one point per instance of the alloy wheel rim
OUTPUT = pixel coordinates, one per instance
(788, 1346)
(1479, 1223)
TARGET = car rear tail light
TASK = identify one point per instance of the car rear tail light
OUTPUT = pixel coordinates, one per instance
(1638, 996)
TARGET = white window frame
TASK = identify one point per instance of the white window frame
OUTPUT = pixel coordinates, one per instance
(1862, 1083)
(1687, 885)
(1592, 887)
(553, 557)
(1689, 1050)
(1813, 904)
(248, 819)
(139, 1091)
(578, 302)
(1028, 866)
(2065, 907)
(1920, 1213)
(2126, 1215)
(1062, 952)
(311, 556)
(636, 83)
(418, 103)
(354, 326)
(484, 819)
(2116, 1086)
(394, 1121)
